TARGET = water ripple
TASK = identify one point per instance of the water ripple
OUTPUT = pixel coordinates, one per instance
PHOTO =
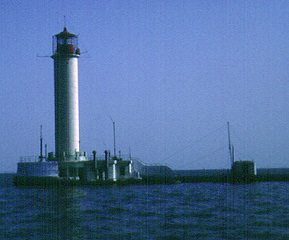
(180, 211)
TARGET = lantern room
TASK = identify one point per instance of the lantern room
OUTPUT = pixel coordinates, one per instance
(65, 43)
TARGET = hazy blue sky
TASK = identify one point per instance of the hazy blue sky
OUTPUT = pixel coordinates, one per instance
(169, 73)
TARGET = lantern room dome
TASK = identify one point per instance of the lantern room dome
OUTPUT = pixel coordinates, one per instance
(65, 34)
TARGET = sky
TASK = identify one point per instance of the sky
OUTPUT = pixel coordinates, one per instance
(170, 74)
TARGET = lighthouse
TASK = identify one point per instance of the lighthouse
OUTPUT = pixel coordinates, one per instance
(65, 54)
(68, 163)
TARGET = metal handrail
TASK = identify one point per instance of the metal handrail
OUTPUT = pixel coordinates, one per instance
(29, 158)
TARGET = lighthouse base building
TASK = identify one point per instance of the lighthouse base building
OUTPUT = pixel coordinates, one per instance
(82, 171)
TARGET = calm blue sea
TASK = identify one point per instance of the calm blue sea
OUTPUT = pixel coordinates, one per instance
(180, 211)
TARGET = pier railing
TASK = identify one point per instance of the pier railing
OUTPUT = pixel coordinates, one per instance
(29, 158)
(98, 157)
(102, 157)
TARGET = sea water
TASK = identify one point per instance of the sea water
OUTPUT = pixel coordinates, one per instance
(177, 211)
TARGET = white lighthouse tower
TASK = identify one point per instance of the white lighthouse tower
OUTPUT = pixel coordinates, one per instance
(65, 55)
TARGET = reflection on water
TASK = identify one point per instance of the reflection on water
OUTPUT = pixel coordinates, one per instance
(62, 217)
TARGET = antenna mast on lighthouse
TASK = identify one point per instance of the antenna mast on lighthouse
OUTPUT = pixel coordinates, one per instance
(231, 147)
(41, 145)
